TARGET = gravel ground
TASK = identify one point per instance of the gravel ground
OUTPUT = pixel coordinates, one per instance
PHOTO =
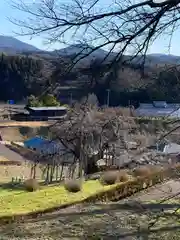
(118, 220)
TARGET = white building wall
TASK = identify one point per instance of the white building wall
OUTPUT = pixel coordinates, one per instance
(172, 148)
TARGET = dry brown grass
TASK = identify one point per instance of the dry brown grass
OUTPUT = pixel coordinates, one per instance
(7, 172)
(24, 124)
(3, 159)
(11, 134)
(120, 111)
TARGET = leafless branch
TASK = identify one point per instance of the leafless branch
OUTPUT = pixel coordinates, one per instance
(125, 27)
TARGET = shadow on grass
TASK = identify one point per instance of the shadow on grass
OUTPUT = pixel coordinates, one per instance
(19, 186)
(12, 186)
(104, 222)
(99, 209)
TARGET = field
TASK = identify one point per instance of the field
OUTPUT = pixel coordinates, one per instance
(3, 159)
(9, 171)
(123, 219)
(23, 124)
(16, 202)
(20, 133)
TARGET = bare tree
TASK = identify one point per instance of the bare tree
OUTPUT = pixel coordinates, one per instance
(128, 27)
(87, 132)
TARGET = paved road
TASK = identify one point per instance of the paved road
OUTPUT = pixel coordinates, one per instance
(9, 154)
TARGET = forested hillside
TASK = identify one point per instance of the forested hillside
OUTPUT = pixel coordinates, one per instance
(21, 76)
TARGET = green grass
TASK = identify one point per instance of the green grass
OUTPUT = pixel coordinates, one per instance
(8, 192)
(20, 202)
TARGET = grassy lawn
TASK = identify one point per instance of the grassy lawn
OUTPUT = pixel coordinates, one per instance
(20, 202)
(9, 192)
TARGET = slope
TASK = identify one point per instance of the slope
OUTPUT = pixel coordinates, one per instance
(11, 44)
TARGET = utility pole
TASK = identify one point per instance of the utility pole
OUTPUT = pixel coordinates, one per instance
(71, 98)
(108, 94)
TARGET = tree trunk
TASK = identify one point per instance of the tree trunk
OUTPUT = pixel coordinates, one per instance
(91, 166)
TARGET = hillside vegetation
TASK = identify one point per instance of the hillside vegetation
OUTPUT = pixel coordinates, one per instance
(23, 75)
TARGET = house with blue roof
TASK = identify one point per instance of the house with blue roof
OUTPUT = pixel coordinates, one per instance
(34, 143)
(44, 146)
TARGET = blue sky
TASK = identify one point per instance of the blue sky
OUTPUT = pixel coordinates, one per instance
(7, 28)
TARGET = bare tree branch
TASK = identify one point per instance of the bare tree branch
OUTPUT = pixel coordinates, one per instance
(126, 27)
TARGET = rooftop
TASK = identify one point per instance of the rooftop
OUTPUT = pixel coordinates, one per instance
(160, 104)
(46, 108)
(159, 108)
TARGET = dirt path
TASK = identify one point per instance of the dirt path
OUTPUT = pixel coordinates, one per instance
(9, 154)
(117, 220)
(11, 134)
(158, 192)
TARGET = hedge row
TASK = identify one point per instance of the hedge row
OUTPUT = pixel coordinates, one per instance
(126, 189)
(116, 193)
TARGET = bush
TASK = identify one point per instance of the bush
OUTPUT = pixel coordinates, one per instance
(73, 185)
(122, 176)
(141, 171)
(109, 178)
(31, 185)
(155, 168)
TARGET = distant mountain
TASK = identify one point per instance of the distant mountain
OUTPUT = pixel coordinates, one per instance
(13, 45)
(163, 58)
(83, 49)
(80, 50)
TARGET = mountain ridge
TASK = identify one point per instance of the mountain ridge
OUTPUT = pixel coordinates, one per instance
(11, 45)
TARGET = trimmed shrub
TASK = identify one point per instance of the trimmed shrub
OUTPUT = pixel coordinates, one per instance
(109, 178)
(122, 176)
(31, 185)
(141, 171)
(73, 185)
(155, 168)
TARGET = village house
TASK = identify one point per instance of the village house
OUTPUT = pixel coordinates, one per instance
(158, 109)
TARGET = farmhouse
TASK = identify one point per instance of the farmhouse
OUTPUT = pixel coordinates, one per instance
(158, 109)
(46, 113)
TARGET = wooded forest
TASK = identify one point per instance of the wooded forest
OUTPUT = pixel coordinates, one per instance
(22, 76)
